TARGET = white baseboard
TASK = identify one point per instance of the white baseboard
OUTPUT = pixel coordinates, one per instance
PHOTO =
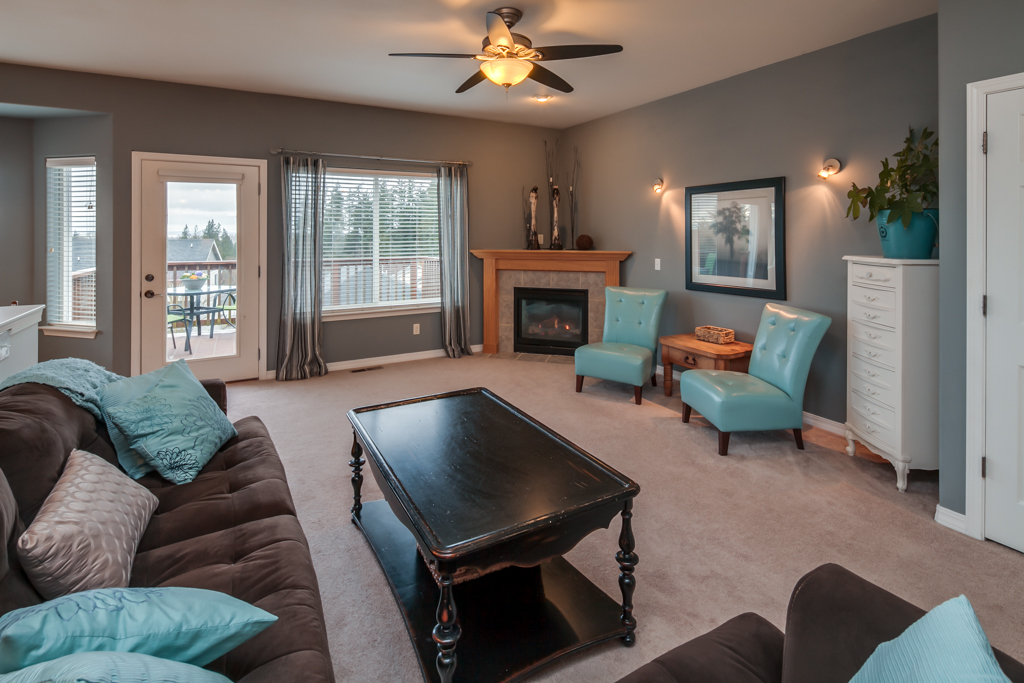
(822, 423)
(382, 360)
(950, 519)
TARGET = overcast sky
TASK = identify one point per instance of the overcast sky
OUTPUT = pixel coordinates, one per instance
(194, 204)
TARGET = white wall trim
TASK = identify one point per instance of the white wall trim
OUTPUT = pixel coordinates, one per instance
(977, 115)
(136, 292)
(950, 519)
(382, 360)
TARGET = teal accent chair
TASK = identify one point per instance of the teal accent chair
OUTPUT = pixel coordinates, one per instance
(631, 320)
(771, 394)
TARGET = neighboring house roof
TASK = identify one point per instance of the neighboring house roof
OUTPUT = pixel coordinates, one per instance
(192, 251)
(83, 253)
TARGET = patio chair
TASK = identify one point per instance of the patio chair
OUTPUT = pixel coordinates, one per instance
(229, 310)
(176, 313)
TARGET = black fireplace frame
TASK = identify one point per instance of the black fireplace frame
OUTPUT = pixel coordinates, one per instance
(551, 347)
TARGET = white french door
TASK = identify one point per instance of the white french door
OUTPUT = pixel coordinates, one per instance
(198, 264)
(1004, 353)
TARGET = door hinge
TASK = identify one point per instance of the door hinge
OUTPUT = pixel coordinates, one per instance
(259, 271)
(259, 188)
(983, 459)
(984, 142)
(984, 304)
(259, 354)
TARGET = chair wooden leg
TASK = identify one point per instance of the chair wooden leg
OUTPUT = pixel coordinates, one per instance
(654, 380)
(686, 412)
(637, 392)
(723, 443)
(579, 383)
(799, 434)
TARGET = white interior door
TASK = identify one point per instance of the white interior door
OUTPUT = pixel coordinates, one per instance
(1004, 357)
(200, 267)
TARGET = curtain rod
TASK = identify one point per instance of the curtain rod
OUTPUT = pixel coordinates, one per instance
(280, 150)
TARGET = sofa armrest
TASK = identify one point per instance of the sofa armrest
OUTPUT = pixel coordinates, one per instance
(836, 620)
(218, 391)
(745, 649)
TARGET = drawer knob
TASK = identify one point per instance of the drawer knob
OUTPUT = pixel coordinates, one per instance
(869, 429)
(869, 411)
(870, 373)
(870, 391)
(872, 336)
(871, 298)
(871, 316)
(872, 354)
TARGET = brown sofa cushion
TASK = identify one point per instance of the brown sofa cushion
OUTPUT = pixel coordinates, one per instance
(266, 563)
(243, 482)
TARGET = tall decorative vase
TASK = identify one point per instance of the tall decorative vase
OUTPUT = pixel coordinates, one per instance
(913, 242)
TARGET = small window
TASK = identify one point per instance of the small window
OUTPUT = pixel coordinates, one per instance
(71, 241)
(381, 241)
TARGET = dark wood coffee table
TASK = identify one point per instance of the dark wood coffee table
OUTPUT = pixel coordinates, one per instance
(482, 500)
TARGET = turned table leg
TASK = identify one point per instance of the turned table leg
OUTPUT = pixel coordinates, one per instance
(356, 463)
(667, 377)
(446, 633)
(627, 560)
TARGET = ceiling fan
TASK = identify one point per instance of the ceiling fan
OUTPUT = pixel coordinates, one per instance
(509, 58)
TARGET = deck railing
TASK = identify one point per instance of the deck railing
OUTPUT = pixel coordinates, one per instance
(350, 281)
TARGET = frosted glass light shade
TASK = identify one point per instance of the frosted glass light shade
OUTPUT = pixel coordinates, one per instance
(506, 71)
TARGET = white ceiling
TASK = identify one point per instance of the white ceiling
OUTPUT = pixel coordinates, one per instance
(337, 49)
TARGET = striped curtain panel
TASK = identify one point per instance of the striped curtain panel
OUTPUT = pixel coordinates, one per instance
(300, 341)
(453, 207)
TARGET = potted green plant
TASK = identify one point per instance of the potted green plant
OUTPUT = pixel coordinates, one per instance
(904, 193)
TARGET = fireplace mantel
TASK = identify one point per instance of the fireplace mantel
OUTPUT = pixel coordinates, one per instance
(606, 262)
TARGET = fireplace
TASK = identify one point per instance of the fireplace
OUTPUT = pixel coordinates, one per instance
(550, 321)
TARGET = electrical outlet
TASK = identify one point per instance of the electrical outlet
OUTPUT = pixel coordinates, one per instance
(416, 328)
(657, 264)
(540, 239)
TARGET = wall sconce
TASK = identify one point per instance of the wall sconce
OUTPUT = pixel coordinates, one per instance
(831, 167)
(659, 186)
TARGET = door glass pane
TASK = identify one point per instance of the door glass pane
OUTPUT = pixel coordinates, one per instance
(202, 299)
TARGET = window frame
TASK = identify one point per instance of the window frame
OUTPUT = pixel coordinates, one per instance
(70, 328)
(385, 309)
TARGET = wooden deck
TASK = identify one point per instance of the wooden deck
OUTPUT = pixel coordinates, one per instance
(222, 343)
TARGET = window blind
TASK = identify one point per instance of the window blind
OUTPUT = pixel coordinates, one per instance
(71, 241)
(381, 240)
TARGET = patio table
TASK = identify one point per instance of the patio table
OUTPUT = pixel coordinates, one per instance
(194, 310)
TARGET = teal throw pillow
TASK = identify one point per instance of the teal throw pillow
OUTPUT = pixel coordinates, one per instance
(118, 394)
(947, 645)
(176, 427)
(112, 667)
(189, 625)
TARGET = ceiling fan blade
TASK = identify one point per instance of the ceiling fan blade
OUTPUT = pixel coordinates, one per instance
(431, 54)
(498, 32)
(554, 52)
(545, 77)
(476, 78)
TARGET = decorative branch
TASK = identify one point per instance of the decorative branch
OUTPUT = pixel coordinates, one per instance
(551, 162)
(574, 206)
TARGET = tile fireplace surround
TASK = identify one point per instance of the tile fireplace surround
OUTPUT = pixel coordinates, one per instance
(506, 269)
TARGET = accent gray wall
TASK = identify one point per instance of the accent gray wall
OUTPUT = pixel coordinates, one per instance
(71, 137)
(154, 116)
(846, 101)
(16, 211)
(978, 40)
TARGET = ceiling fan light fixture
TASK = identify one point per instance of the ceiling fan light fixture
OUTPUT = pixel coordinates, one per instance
(542, 98)
(506, 71)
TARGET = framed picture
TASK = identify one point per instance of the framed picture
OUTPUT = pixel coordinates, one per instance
(736, 238)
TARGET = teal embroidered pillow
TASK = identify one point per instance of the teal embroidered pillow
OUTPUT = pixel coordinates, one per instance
(176, 427)
(117, 394)
(947, 645)
(189, 625)
(112, 667)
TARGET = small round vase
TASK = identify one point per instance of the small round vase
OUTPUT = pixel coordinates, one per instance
(194, 285)
(913, 242)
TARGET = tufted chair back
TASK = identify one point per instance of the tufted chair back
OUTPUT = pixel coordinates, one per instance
(784, 347)
(633, 316)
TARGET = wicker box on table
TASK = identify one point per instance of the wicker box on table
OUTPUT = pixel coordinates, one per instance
(715, 335)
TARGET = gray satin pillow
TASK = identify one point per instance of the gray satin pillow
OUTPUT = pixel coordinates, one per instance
(88, 529)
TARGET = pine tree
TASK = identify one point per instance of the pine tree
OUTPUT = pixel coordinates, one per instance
(227, 248)
(185, 235)
(211, 231)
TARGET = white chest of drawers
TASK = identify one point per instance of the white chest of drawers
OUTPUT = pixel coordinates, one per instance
(892, 361)
(19, 338)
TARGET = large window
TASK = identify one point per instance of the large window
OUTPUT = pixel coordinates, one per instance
(71, 241)
(381, 241)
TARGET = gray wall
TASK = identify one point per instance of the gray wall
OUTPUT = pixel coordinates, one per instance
(846, 101)
(16, 211)
(71, 137)
(165, 117)
(978, 40)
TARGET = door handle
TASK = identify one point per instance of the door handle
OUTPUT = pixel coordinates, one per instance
(149, 294)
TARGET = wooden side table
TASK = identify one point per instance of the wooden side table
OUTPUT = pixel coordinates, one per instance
(688, 352)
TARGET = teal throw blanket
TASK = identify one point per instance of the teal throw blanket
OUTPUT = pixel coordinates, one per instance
(79, 379)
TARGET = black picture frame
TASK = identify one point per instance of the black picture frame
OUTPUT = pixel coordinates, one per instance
(708, 278)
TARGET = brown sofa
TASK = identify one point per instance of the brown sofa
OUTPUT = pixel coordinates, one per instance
(835, 621)
(233, 529)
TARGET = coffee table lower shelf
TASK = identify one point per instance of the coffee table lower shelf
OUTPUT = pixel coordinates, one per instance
(513, 621)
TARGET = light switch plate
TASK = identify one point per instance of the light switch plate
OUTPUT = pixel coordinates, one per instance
(416, 328)
(657, 264)
(540, 239)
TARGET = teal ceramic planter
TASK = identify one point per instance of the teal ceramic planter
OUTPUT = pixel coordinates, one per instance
(913, 242)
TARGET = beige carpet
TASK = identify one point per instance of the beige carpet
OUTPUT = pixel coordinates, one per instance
(716, 536)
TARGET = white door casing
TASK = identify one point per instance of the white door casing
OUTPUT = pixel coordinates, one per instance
(151, 174)
(1004, 353)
